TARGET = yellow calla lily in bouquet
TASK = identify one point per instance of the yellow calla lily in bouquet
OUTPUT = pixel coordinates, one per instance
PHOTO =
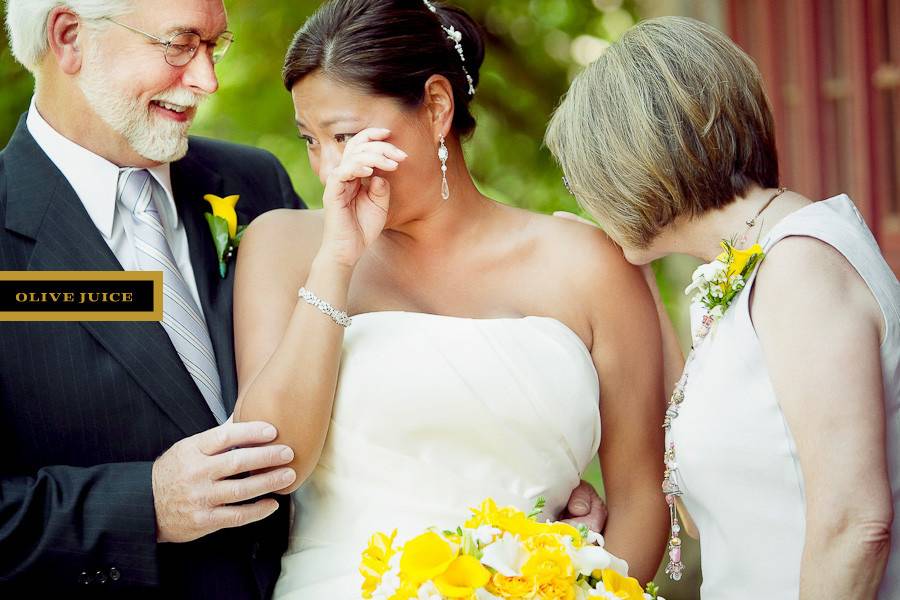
(498, 553)
(224, 227)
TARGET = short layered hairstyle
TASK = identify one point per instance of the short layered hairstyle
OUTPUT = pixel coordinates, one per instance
(671, 121)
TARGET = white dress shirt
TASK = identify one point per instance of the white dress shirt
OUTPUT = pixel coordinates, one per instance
(95, 181)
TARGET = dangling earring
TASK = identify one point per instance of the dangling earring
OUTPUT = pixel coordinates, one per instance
(443, 155)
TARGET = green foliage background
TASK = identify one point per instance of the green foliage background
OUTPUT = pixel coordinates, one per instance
(534, 47)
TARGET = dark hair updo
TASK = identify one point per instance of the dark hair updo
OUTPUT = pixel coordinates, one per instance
(389, 48)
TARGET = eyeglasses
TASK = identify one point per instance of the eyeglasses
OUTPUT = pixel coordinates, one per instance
(565, 181)
(182, 47)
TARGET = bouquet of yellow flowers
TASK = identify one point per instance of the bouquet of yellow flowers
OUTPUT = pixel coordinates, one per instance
(498, 553)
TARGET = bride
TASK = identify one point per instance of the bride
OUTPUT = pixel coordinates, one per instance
(483, 341)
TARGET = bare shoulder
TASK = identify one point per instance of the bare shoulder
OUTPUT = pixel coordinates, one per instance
(806, 278)
(286, 226)
(592, 264)
(569, 240)
(594, 289)
(283, 242)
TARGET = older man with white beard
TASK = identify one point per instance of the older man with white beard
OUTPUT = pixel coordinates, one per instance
(119, 470)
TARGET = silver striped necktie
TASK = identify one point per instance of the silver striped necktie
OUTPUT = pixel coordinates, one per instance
(182, 319)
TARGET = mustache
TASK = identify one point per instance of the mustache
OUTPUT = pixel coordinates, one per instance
(181, 97)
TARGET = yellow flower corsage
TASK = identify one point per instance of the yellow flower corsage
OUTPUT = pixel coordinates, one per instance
(223, 225)
(716, 284)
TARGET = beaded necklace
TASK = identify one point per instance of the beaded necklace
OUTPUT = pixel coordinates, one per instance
(670, 484)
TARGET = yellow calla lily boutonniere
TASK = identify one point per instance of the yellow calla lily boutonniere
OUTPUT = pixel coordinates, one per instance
(224, 227)
(718, 283)
(737, 259)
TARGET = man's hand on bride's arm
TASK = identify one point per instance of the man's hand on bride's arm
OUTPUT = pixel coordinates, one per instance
(194, 489)
(585, 507)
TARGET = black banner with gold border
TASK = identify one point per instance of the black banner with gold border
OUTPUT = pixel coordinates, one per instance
(81, 296)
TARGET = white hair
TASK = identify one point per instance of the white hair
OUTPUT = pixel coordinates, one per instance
(26, 22)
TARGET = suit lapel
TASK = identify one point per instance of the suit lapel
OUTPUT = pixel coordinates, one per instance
(43, 206)
(190, 182)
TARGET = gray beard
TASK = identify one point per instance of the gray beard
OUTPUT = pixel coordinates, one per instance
(153, 138)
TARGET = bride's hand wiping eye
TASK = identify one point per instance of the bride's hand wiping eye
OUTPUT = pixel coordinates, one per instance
(356, 199)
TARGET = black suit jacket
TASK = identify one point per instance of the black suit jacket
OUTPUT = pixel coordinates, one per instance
(85, 407)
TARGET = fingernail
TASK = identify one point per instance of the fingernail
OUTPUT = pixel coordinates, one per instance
(287, 454)
(403, 154)
(269, 432)
(288, 476)
(580, 506)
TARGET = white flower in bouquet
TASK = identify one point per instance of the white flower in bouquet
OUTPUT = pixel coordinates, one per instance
(429, 591)
(588, 559)
(592, 537)
(507, 556)
(390, 584)
(485, 534)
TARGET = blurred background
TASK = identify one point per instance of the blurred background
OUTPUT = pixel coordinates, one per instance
(832, 68)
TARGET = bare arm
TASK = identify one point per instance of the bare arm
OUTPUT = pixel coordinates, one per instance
(288, 351)
(628, 358)
(820, 329)
(673, 357)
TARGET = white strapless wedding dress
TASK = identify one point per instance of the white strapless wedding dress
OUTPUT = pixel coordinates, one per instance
(432, 415)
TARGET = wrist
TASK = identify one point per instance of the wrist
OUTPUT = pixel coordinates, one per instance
(329, 280)
(328, 261)
(157, 508)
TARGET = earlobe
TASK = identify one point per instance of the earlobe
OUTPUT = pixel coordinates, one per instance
(64, 29)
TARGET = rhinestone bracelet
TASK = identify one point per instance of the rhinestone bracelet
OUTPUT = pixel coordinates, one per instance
(338, 316)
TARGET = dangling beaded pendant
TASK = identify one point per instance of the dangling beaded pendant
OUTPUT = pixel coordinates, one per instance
(672, 481)
(443, 155)
(670, 485)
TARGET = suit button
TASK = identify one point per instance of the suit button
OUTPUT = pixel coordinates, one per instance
(114, 574)
(100, 577)
(84, 578)
(254, 550)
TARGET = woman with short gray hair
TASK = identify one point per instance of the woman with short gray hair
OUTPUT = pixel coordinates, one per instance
(783, 433)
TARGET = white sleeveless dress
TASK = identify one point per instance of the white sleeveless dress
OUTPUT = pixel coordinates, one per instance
(738, 463)
(432, 415)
